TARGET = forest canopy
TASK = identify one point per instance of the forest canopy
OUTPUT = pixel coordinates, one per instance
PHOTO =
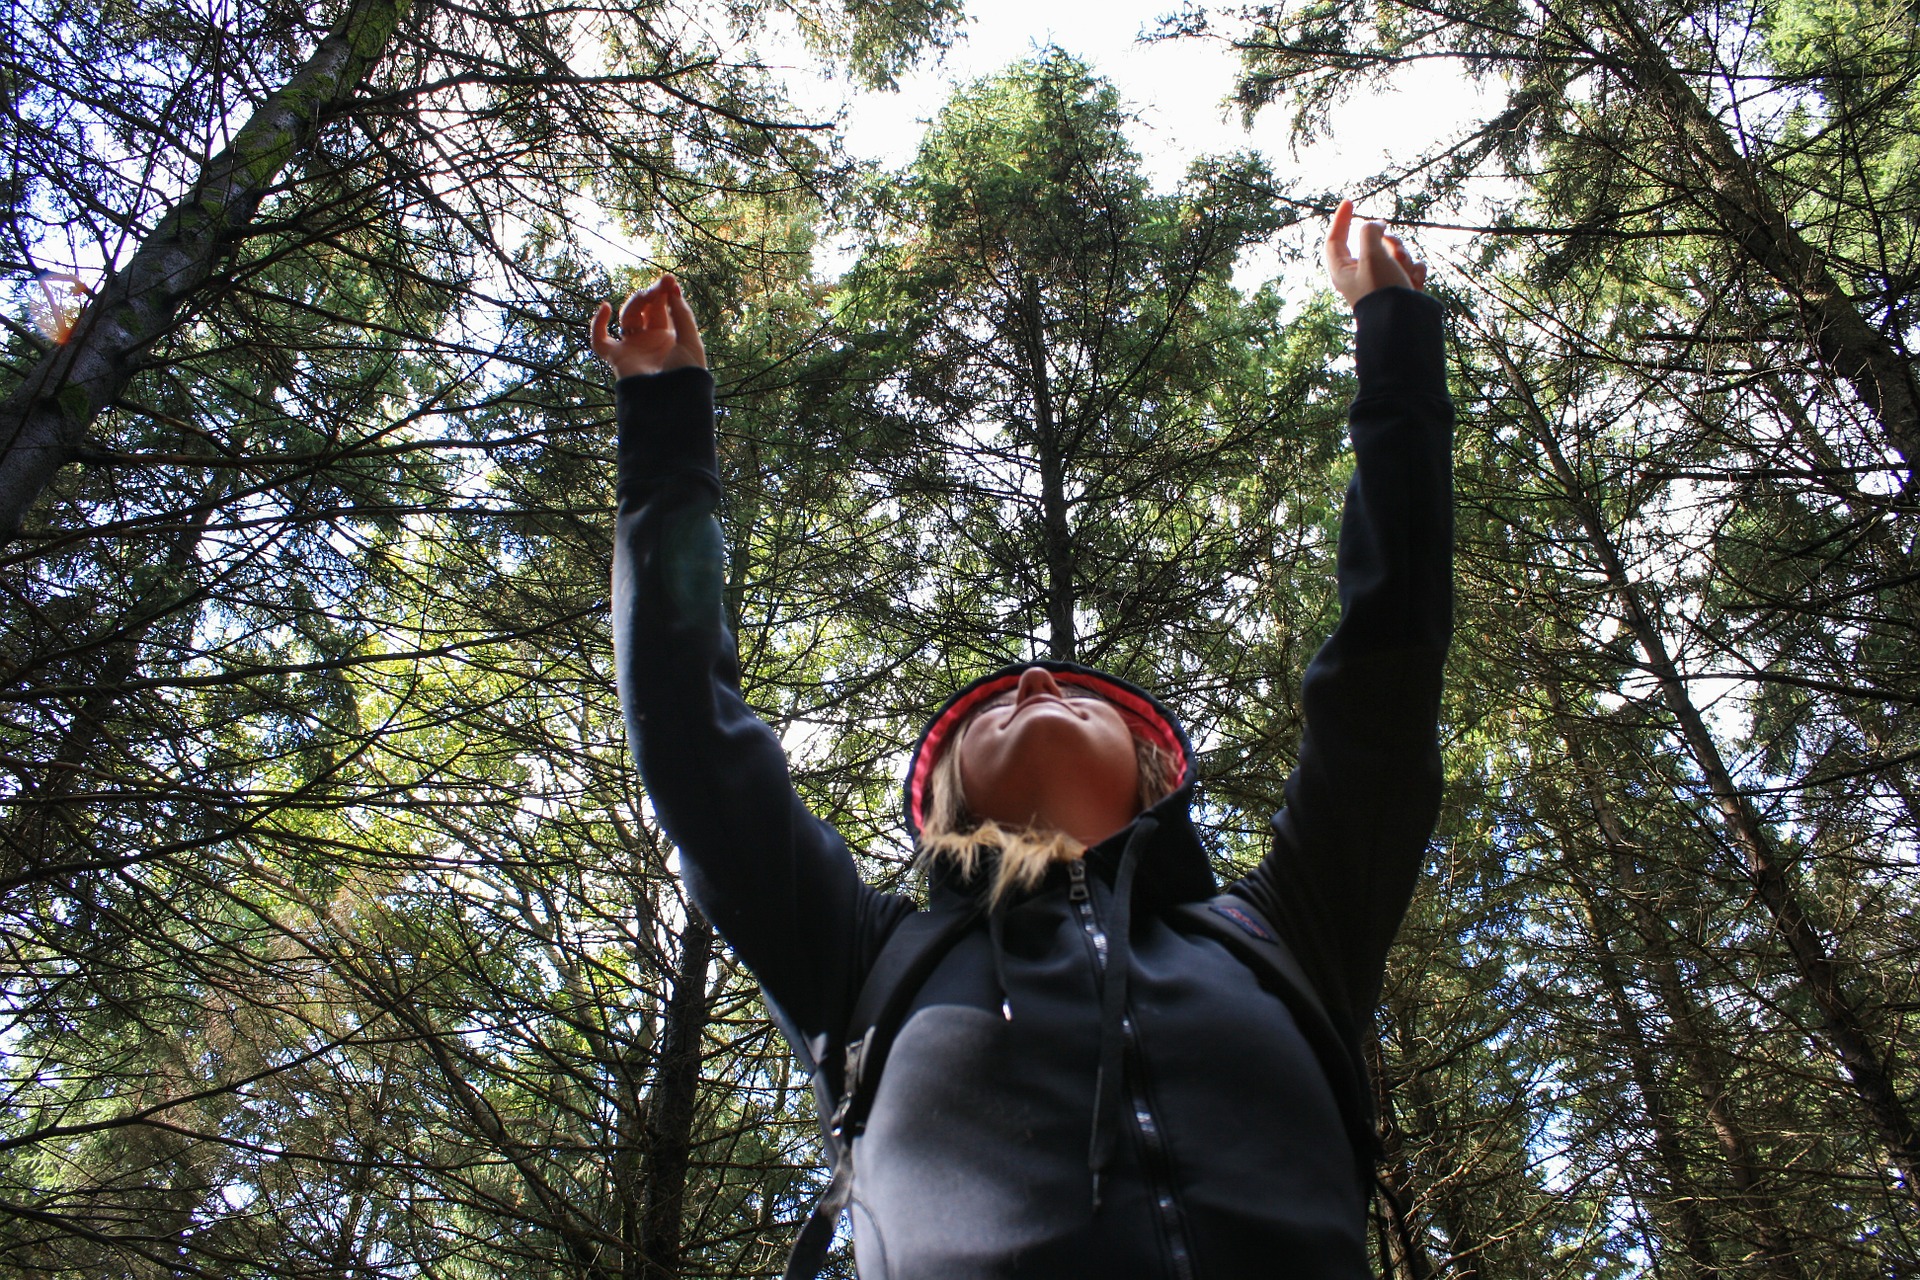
(338, 938)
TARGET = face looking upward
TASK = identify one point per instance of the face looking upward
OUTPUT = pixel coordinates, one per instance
(1052, 755)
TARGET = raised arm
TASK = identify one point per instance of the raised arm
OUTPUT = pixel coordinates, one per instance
(777, 882)
(1362, 801)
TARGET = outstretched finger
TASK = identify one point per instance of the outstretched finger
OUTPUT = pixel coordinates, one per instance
(1338, 254)
(597, 336)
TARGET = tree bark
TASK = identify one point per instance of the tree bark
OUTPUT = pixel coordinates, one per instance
(45, 419)
(1728, 184)
(1888, 736)
(1061, 640)
(669, 1128)
(1698, 1040)
(1400, 1246)
(1453, 1209)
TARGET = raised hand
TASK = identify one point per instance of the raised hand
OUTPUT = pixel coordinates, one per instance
(657, 332)
(1382, 260)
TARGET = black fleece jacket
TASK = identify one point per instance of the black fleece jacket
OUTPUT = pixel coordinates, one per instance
(1232, 1161)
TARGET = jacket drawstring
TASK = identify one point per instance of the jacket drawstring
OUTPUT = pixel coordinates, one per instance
(997, 936)
(1113, 1007)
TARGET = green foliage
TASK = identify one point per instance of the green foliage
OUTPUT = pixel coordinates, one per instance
(338, 940)
(1685, 769)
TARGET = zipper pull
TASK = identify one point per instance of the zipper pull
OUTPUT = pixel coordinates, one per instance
(1077, 881)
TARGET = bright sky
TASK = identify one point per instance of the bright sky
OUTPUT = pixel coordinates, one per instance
(1176, 87)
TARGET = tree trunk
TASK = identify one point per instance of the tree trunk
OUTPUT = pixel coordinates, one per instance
(46, 418)
(35, 844)
(1061, 641)
(1868, 1063)
(1695, 1241)
(1400, 1247)
(1888, 739)
(1729, 186)
(1698, 1039)
(1454, 1211)
(1692, 1029)
(669, 1127)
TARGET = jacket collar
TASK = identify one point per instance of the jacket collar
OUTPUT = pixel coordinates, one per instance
(1173, 866)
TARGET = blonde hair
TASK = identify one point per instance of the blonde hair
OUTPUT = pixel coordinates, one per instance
(1019, 856)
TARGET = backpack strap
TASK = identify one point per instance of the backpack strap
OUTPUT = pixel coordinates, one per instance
(845, 1088)
(1235, 923)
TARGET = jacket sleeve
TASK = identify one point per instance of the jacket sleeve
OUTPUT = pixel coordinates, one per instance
(778, 884)
(1362, 799)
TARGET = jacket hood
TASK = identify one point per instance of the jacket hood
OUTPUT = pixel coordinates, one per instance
(1178, 863)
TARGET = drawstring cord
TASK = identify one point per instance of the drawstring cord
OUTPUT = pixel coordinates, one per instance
(997, 935)
(1113, 1008)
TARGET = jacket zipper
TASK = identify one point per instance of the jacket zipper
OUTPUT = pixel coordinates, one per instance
(1152, 1137)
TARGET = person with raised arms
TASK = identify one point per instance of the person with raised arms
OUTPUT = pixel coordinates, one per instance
(1096, 1063)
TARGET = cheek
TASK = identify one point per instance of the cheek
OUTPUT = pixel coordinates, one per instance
(982, 751)
(1108, 760)
(975, 755)
(1119, 760)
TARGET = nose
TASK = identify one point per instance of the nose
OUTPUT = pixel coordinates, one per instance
(1036, 682)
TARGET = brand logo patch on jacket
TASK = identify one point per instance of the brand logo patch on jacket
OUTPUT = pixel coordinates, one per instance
(1244, 919)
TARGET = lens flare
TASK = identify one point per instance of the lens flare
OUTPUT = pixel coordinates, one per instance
(60, 304)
